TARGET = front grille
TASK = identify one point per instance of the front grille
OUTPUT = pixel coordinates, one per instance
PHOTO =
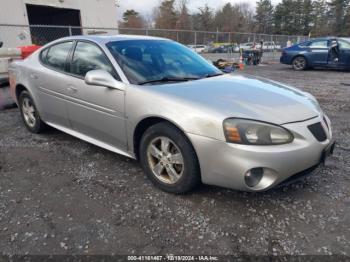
(318, 131)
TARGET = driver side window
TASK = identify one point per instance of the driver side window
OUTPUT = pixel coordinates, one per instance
(344, 44)
(89, 57)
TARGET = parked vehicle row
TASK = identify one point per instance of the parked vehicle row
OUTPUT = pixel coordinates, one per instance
(266, 46)
(155, 100)
(235, 48)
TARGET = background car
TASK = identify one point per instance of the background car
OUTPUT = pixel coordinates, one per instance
(197, 48)
(248, 46)
(321, 52)
(271, 46)
(223, 49)
(267, 46)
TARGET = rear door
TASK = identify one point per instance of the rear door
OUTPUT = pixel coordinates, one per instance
(344, 53)
(95, 111)
(51, 83)
(318, 52)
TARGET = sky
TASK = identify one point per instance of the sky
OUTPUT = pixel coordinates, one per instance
(145, 7)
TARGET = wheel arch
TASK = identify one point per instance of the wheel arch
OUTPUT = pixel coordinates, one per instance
(146, 123)
(19, 89)
(301, 55)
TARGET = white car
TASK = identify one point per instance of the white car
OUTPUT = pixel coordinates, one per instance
(249, 46)
(267, 46)
(197, 48)
(270, 46)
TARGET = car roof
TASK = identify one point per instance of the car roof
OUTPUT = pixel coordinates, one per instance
(328, 38)
(320, 39)
(104, 39)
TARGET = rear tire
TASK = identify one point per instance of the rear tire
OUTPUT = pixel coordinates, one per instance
(30, 114)
(299, 63)
(169, 159)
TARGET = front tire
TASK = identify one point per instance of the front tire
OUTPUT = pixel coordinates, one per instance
(168, 159)
(299, 63)
(30, 114)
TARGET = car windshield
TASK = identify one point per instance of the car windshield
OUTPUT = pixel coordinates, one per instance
(147, 61)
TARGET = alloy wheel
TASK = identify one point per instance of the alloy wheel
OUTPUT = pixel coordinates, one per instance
(299, 63)
(28, 110)
(165, 160)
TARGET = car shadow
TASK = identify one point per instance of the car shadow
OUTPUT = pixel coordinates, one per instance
(279, 190)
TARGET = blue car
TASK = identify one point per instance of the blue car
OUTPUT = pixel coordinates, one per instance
(329, 52)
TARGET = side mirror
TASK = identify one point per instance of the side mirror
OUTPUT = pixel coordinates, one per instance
(103, 78)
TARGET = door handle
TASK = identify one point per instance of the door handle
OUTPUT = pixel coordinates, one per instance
(34, 76)
(72, 89)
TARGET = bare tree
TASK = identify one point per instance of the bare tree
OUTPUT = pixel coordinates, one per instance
(165, 16)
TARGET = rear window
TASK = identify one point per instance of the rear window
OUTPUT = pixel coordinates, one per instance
(319, 44)
(56, 55)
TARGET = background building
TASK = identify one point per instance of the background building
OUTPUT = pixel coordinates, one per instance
(80, 15)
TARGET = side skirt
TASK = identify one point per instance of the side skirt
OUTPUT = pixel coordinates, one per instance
(92, 140)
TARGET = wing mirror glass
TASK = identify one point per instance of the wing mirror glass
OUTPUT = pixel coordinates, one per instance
(103, 78)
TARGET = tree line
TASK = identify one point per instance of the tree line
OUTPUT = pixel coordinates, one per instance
(290, 17)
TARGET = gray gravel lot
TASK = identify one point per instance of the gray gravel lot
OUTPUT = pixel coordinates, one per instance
(60, 195)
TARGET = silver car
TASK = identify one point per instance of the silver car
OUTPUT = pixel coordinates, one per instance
(157, 101)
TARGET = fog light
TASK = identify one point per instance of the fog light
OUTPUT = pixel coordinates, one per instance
(253, 176)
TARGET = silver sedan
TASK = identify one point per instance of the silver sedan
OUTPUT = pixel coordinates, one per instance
(157, 101)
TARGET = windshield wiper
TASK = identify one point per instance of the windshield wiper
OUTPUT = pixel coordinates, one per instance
(213, 75)
(169, 79)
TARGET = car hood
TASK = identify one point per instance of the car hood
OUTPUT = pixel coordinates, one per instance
(246, 97)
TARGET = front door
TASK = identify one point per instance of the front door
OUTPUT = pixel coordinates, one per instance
(344, 53)
(95, 111)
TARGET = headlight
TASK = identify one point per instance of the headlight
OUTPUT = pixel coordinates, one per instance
(250, 132)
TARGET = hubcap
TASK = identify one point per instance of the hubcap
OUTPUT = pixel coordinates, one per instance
(28, 112)
(299, 63)
(165, 160)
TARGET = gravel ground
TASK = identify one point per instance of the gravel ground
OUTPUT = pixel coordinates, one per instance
(60, 195)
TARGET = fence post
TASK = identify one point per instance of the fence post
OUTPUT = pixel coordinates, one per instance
(195, 38)
(177, 36)
(273, 47)
(146, 31)
(70, 30)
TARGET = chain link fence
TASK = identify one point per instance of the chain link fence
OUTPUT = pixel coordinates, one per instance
(212, 45)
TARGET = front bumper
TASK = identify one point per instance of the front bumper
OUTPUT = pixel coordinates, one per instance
(225, 164)
(285, 59)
